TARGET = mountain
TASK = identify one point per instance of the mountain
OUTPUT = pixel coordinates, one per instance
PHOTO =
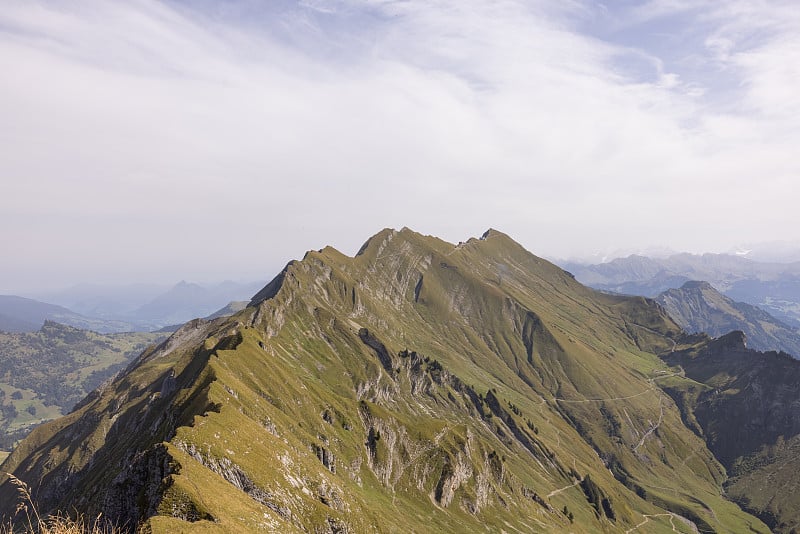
(774, 287)
(229, 309)
(187, 301)
(773, 251)
(103, 300)
(44, 373)
(744, 404)
(419, 386)
(18, 314)
(698, 307)
(226, 311)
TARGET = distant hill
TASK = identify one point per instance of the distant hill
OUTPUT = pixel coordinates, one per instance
(9, 323)
(186, 301)
(698, 307)
(103, 300)
(774, 287)
(44, 373)
(147, 307)
(229, 309)
(19, 314)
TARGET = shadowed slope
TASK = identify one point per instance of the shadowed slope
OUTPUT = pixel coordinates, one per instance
(745, 404)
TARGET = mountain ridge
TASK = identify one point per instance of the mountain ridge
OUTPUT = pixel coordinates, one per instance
(698, 307)
(417, 385)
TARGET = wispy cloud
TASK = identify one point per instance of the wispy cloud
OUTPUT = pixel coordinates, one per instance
(148, 137)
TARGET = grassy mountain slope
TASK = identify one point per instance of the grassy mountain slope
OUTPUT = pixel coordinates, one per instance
(417, 387)
(698, 307)
(44, 373)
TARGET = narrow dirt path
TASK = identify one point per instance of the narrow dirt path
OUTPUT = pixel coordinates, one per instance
(604, 400)
(565, 488)
(654, 427)
(647, 520)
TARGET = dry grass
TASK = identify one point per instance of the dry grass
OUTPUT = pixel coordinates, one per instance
(29, 521)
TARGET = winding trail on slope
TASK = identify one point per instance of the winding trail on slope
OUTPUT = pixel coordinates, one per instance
(660, 334)
(603, 400)
(647, 519)
(654, 427)
(565, 488)
(650, 380)
(651, 389)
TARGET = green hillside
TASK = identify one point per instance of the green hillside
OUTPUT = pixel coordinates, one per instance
(419, 386)
(44, 373)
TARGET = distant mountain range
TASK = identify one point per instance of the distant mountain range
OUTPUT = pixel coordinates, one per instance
(698, 307)
(18, 314)
(121, 309)
(772, 251)
(187, 301)
(774, 287)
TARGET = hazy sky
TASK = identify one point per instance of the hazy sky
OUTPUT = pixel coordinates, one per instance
(158, 141)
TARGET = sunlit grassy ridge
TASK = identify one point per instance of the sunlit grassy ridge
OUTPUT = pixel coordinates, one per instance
(417, 387)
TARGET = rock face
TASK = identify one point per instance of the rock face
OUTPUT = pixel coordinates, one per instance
(419, 386)
(746, 405)
(698, 307)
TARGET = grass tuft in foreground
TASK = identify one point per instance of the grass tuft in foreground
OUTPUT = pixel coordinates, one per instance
(34, 523)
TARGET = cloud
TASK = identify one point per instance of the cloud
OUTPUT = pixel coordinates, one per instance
(154, 138)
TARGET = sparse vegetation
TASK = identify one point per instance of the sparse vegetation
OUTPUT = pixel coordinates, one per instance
(29, 521)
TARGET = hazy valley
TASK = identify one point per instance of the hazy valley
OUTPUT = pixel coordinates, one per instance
(113, 309)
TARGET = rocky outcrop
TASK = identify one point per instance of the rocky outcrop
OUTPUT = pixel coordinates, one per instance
(136, 492)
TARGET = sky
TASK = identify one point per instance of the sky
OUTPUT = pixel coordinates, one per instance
(154, 141)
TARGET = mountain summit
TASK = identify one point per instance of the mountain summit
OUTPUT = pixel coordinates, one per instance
(419, 386)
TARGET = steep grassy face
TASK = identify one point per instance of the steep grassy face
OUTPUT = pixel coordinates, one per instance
(44, 373)
(417, 387)
(744, 403)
